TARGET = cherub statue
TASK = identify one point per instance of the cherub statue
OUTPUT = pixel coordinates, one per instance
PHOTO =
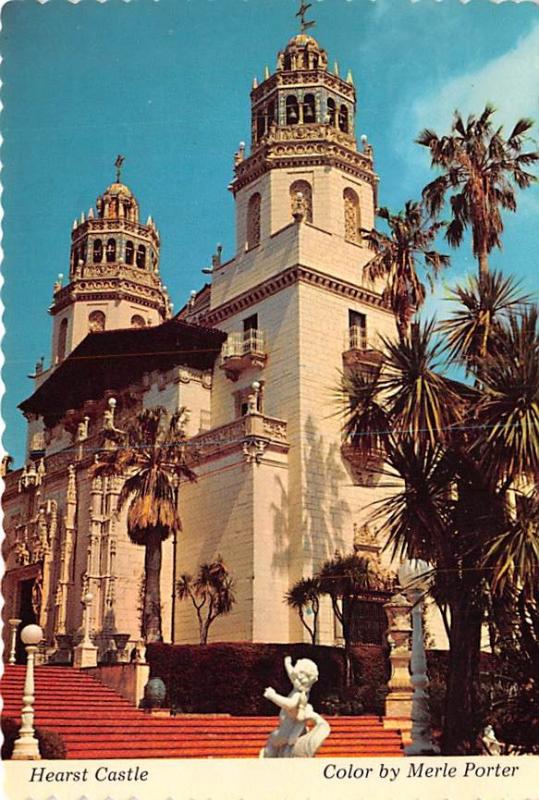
(292, 739)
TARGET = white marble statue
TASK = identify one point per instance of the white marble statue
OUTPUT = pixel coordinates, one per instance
(293, 739)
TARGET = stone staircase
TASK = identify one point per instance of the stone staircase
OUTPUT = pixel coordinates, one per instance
(95, 722)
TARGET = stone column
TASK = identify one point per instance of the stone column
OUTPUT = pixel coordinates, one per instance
(85, 654)
(66, 550)
(13, 624)
(398, 705)
(421, 743)
(26, 746)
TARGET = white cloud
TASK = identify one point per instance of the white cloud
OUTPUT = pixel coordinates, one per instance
(510, 82)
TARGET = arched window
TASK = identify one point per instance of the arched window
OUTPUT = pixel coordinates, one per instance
(271, 113)
(343, 119)
(308, 108)
(306, 190)
(253, 221)
(141, 256)
(331, 112)
(62, 340)
(292, 110)
(351, 215)
(96, 321)
(129, 252)
(287, 62)
(137, 321)
(260, 125)
(75, 257)
(111, 250)
(98, 251)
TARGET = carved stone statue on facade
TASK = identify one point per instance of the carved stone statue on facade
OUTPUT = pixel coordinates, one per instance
(292, 739)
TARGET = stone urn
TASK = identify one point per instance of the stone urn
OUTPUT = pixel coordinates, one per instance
(154, 696)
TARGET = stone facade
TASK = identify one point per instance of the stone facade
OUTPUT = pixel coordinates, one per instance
(278, 491)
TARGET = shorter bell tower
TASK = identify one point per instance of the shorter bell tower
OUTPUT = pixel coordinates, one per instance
(113, 275)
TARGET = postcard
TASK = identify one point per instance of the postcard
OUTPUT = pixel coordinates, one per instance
(271, 384)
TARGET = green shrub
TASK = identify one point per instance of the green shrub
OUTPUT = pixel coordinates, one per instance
(51, 745)
(231, 678)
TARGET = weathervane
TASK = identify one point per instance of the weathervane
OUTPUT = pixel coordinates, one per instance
(304, 7)
(118, 164)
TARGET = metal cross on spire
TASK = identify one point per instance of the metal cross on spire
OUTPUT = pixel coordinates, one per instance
(304, 7)
(118, 164)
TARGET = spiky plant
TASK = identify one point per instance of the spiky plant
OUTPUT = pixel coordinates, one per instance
(305, 596)
(211, 593)
(482, 307)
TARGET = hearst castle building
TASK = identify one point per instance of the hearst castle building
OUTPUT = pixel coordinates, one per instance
(254, 358)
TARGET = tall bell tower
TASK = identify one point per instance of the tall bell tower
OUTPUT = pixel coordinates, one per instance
(304, 157)
(113, 274)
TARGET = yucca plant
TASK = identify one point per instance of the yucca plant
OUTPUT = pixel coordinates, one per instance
(211, 593)
(304, 597)
(480, 311)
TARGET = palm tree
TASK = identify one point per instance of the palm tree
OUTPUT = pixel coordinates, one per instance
(152, 458)
(396, 258)
(211, 592)
(480, 171)
(305, 594)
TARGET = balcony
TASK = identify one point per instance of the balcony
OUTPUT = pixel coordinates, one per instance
(243, 351)
(359, 349)
(364, 470)
(251, 435)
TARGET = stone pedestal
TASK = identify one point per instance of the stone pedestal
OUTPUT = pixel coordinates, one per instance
(398, 705)
(84, 656)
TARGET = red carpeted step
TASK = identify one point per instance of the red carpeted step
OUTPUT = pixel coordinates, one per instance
(95, 722)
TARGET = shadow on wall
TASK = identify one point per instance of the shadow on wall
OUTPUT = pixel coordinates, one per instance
(325, 513)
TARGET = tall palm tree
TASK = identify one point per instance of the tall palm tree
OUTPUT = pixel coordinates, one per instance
(151, 456)
(397, 257)
(480, 171)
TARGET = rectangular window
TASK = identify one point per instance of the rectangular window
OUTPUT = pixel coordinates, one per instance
(250, 323)
(357, 327)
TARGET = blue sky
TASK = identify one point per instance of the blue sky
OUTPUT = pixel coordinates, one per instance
(167, 84)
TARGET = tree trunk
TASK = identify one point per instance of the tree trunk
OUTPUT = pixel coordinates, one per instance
(151, 616)
(461, 701)
(483, 264)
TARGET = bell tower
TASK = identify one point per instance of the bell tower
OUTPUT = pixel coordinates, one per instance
(113, 274)
(304, 158)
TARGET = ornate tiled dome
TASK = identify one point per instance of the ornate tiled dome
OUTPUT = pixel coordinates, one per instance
(119, 189)
(302, 39)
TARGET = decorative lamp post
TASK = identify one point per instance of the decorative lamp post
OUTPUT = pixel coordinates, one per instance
(26, 745)
(13, 624)
(414, 579)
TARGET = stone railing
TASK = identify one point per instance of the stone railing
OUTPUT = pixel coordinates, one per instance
(239, 434)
